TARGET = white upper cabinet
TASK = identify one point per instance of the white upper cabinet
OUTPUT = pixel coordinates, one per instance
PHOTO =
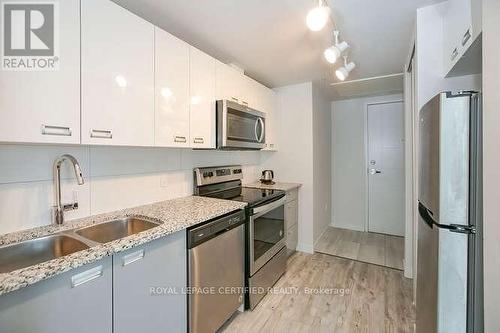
(44, 106)
(272, 109)
(171, 91)
(229, 82)
(117, 76)
(461, 25)
(202, 88)
(253, 94)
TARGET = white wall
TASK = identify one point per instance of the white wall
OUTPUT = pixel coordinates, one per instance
(322, 161)
(294, 160)
(116, 178)
(349, 181)
(491, 82)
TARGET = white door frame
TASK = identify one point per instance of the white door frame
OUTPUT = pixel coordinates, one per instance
(367, 185)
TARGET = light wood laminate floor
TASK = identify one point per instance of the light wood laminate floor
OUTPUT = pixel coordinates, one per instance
(333, 295)
(379, 249)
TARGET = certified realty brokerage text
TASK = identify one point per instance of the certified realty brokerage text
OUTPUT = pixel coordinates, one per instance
(30, 36)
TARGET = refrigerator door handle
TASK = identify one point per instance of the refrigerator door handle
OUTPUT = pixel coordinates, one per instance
(462, 229)
(426, 215)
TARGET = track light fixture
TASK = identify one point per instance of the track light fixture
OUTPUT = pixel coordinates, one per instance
(335, 51)
(317, 17)
(343, 72)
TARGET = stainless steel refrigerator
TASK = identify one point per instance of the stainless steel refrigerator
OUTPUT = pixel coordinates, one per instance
(449, 255)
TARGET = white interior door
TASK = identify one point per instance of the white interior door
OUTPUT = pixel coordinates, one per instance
(386, 204)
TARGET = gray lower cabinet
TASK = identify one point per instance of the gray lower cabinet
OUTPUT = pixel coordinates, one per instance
(291, 220)
(78, 301)
(149, 282)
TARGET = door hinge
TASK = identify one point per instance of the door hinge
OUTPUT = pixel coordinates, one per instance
(463, 229)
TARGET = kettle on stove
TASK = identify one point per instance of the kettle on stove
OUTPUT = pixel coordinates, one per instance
(267, 177)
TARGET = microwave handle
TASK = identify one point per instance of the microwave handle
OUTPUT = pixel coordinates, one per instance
(255, 129)
(261, 136)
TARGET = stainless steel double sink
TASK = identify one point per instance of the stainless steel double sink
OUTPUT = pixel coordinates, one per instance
(39, 250)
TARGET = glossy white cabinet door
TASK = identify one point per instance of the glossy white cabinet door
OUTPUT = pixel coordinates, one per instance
(117, 76)
(272, 109)
(171, 91)
(202, 86)
(228, 82)
(253, 94)
(44, 106)
(457, 31)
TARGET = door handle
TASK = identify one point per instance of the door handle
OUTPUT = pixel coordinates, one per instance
(101, 134)
(180, 139)
(466, 37)
(86, 276)
(374, 171)
(132, 257)
(56, 130)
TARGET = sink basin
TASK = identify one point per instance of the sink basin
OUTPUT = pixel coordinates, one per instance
(113, 230)
(35, 251)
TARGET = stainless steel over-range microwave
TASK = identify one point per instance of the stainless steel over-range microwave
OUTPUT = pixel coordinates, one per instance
(239, 127)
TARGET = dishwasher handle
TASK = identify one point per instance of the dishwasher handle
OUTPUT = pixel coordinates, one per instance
(200, 234)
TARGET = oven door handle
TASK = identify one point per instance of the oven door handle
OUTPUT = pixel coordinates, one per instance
(266, 208)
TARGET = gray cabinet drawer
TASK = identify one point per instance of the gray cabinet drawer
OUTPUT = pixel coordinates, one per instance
(78, 301)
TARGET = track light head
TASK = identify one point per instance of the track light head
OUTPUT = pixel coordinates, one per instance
(335, 51)
(343, 72)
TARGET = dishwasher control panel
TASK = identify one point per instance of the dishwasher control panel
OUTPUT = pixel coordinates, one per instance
(213, 228)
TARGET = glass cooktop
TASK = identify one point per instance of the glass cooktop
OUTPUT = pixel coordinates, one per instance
(252, 196)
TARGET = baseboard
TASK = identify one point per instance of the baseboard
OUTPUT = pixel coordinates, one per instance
(346, 226)
(307, 248)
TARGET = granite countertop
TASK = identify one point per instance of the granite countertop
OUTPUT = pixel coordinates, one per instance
(275, 186)
(174, 215)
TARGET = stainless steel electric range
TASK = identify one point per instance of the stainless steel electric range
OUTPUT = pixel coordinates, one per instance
(264, 229)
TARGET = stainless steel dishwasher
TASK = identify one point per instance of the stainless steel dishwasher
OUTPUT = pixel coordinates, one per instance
(216, 271)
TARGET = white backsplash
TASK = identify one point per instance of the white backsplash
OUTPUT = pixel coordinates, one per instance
(115, 178)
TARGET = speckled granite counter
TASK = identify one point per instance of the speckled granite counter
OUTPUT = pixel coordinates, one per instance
(276, 186)
(174, 215)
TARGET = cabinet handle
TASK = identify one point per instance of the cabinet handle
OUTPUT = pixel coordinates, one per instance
(56, 130)
(454, 54)
(132, 257)
(87, 276)
(199, 140)
(181, 139)
(102, 134)
(235, 99)
(466, 37)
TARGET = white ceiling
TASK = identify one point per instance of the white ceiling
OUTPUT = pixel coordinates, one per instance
(270, 40)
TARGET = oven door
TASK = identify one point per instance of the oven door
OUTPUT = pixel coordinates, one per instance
(266, 233)
(239, 127)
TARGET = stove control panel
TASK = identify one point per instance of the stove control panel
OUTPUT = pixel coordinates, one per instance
(222, 172)
(215, 175)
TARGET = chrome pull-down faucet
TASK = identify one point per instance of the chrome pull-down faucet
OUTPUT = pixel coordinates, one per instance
(59, 208)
